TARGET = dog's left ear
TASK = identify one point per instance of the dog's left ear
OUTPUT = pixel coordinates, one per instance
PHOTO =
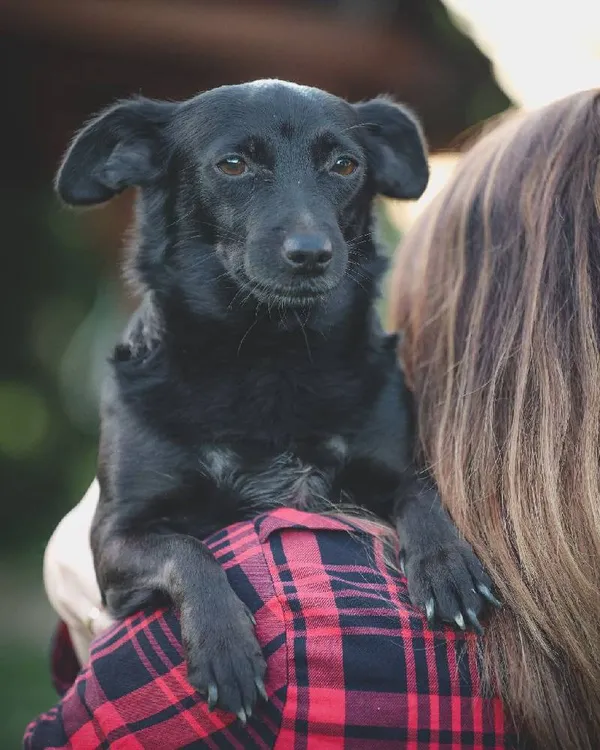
(119, 148)
(396, 148)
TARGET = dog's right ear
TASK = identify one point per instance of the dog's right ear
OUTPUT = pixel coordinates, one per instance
(122, 146)
(396, 148)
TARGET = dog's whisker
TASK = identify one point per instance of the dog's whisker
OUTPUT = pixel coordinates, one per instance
(221, 234)
(360, 272)
(179, 219)
(355, 247)
(221, 230)
(356, 281)
(357, 238)
(250, 327)
(305, 337)
(360, 125)
(249, 293)
(239, 292)
(223, 275)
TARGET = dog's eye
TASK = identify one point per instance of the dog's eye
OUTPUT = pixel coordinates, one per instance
(233, 166)
(344, 166)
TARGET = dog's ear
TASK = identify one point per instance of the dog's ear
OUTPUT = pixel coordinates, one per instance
(122, 146)
(396, 148)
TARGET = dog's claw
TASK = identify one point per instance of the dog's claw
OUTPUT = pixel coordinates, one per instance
(472, 617)
(213, 696)
(248, 710)
(260, 686)
(402, 567)
(487, 594)
(430, 610)
(241, 714)
(460, 620)
(252, 619)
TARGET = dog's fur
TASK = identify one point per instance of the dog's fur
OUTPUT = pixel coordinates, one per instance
(250, 377)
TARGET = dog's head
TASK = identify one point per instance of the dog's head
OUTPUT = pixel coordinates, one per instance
(272, 180)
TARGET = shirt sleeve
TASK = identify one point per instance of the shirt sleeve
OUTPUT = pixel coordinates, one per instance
(134, 694)
(49, 730)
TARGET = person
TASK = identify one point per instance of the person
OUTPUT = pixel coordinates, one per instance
(350, 662)
(496, 290)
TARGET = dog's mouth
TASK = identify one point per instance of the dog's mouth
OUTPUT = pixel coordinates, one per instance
(304, 294)
(291, 295)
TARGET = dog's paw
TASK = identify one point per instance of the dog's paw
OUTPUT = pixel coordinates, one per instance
(449, 584)
(224, 660)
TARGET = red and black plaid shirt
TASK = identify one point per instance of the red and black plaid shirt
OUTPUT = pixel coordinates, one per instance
(350, 663)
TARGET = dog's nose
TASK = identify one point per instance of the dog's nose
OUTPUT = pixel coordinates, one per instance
(308, 252)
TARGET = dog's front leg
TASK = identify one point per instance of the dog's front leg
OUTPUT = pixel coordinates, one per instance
(224, 659)
(444, 576)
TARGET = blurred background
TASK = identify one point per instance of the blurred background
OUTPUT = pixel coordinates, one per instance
(62, 303)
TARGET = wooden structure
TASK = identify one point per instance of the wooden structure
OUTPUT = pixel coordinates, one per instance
(65, 59)
(68, 58)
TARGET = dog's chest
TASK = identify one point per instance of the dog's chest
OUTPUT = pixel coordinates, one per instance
(283, 479)
(269, 405)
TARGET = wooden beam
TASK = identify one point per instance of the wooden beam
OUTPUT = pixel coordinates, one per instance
(310, 45)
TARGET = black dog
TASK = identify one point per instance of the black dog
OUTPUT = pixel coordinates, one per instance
(254, 373)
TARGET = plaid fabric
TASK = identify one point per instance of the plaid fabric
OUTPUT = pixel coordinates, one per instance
(350, 664)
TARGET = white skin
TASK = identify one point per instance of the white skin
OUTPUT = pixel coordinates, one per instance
(69, 575)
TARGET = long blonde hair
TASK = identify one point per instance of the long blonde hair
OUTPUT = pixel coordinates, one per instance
(497, 288)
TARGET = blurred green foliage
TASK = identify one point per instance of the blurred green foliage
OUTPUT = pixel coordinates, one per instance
(47, 456)
(388, 236)
(52, 282)
(25, 691)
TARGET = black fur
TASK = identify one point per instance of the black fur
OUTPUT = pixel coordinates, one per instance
(255, 372)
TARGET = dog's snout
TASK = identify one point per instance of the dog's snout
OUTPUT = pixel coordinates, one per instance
(308, 252)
